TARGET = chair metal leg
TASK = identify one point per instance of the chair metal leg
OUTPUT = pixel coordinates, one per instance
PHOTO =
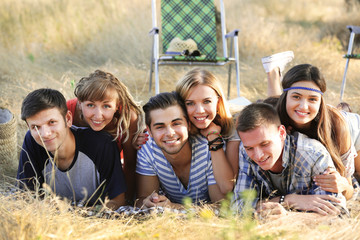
(344, 80)
(237, 67)
(150, 80)
(151, 73)
(151, 66)
(157, 84)
(229, 72)
(351, 42)
(229, 82)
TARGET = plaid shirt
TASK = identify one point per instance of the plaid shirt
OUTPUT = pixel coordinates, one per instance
(302, 159)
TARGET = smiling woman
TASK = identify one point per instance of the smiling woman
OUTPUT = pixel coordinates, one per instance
(302, 108)
(104, 103)
(303, 103)
(210, 116)
(99, 113)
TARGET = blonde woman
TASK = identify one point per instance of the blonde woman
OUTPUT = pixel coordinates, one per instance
(210, 115)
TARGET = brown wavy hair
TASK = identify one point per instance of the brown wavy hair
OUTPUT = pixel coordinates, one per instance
(95, 88)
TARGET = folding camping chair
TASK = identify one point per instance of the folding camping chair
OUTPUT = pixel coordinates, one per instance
(349, 55)
(196, 20)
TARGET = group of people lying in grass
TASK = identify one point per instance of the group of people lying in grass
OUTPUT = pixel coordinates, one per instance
(296, 151)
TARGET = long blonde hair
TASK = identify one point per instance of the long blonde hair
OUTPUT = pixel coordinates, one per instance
(95, 88)
(197, 77)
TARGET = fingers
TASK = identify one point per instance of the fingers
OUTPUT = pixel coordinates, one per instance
(147, 202)
(270, 208)
(327, 177)
(141, 140)
(159, 200)
(332, 182)
(330, 171)
(321, 204)
(211, 128)
(326, 181)
(329, 198)
(328, 185)
(326, 208)
(154, 198)
(162, 198)
(330, 189)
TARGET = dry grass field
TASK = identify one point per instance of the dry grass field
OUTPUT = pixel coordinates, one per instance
(46, 43)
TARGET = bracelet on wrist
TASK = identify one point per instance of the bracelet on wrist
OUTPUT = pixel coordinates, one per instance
(213, 132)
(218, 139)
(216, 147)
(282, 199)
(216, 144)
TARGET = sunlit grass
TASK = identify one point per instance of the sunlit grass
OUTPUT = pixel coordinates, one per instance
(53, 43)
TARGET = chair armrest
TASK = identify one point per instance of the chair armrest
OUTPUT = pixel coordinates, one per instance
(232, 34)
(355, 29)
(153, 31)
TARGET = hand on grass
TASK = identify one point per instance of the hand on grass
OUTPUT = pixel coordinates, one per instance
(156, 200)
(316, 203)
(267, 209)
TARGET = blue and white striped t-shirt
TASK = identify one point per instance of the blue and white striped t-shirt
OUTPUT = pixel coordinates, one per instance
(152, 162)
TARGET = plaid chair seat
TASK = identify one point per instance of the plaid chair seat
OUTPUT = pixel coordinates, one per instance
(194, 59)
(195, 20)
(354, 56)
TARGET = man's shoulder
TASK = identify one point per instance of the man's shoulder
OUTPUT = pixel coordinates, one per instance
(150, 145)
(309, 147)
(306, 143)
(149, 149)
(198, 138)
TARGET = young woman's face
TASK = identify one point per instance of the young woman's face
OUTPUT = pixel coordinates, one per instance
(302, 105)
(98, 114)
(201, 105)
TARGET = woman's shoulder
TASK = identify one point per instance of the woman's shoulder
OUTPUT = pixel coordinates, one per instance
(71, 104)
(338, 121)
(340, 129)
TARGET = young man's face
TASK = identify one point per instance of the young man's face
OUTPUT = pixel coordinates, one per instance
(169, 129)
(49, 129)
(264, 145)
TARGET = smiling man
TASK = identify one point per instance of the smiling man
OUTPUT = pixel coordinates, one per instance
(172, 160)
(76, 163)
(281, 167)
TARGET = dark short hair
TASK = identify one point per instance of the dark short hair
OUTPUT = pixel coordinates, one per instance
(272, 100)
(344, 106)
(256, 115)
(162, 101)
(42, 99)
